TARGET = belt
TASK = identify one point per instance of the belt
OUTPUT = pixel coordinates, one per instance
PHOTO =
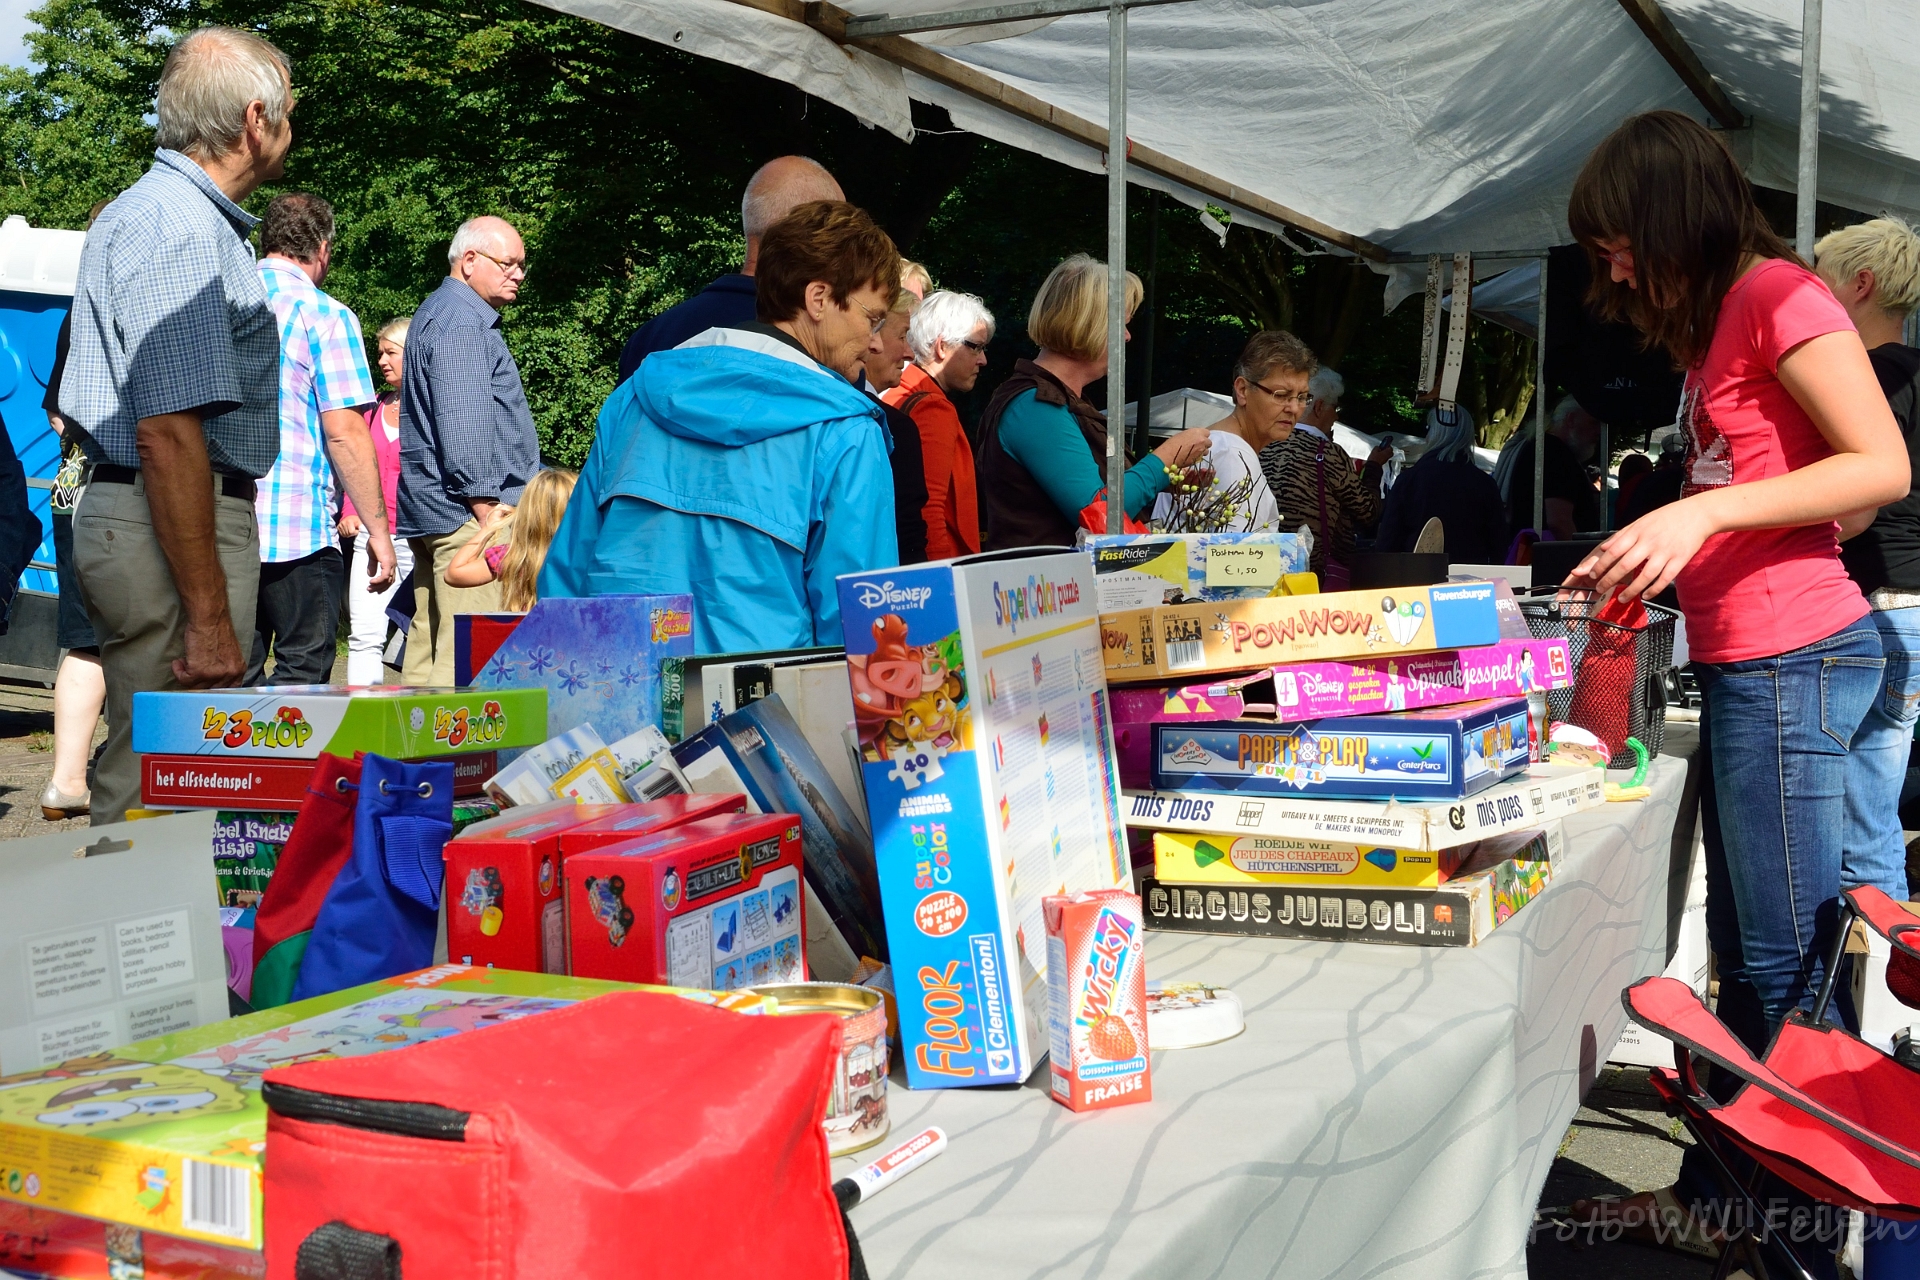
(1890, 598)
(232, 486)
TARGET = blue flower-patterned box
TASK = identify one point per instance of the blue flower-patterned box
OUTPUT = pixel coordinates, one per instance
(598, 659)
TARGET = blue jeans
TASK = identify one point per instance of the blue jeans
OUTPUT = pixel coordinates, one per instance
(1877, 767)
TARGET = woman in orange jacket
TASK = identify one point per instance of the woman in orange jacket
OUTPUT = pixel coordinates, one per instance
(949, 337)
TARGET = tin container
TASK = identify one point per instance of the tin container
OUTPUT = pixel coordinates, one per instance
(857, 1111)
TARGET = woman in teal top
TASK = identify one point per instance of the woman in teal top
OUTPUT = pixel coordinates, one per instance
(1042, 447)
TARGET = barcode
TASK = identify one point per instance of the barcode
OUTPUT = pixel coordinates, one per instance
(1185, 655)
(218, 1199)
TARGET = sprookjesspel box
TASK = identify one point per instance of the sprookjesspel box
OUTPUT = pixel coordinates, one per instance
(298, 722)
(1441, 753)
(167, 1134)
(1177, 640)
(1542, 793)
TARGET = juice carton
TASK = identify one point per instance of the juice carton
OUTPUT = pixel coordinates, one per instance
(1097, 999)
(719, 898)
(503, 888)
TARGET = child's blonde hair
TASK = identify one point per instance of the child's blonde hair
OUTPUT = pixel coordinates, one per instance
(530, 529)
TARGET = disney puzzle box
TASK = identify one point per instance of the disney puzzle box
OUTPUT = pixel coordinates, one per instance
(167, 1134)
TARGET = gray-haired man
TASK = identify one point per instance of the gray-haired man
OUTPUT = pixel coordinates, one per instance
(171, 383)
(467, 442)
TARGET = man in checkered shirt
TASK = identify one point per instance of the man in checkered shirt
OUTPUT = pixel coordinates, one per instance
(170, 387)
(325, 388)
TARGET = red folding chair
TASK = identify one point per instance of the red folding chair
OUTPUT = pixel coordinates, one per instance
(1824, 1111)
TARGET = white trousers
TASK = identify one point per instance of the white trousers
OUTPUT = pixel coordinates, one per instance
(367, 612)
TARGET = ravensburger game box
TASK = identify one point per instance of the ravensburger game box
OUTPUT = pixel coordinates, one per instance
(167, 1134)
(301, 721)
(987, 760)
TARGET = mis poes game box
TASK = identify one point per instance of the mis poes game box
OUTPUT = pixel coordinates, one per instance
(980, 706)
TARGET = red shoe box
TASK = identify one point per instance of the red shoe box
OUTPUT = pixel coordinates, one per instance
(263, 785)
(714, 904)
(503, 887)
(637, 821)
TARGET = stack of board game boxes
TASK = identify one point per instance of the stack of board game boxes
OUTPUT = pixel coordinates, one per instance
(1355, 765)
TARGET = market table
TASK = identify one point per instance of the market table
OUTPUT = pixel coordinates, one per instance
(1389, 1111)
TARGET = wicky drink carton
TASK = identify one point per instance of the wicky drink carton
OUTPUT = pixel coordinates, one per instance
(1097, 999)
(987, 759)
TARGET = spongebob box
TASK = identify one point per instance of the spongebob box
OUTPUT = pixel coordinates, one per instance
(166, 1135)
(1183, 858)
(1442, 753)
(1140, 570)
(298, 722)
(598, 660)
(987, 759)
(1177, 640)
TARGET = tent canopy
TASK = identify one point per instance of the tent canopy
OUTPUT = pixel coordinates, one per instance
(1385, 127)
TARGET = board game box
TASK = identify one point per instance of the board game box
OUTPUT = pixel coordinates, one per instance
(298, 722)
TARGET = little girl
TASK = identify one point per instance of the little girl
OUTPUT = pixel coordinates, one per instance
(525, 532)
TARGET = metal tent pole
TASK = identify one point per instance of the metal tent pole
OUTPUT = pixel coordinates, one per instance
(1142, 431)
(1540, 409)
(1117, 267)
(1809, 178)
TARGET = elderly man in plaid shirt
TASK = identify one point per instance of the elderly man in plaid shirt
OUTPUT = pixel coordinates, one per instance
(324, 390)
(170, 388)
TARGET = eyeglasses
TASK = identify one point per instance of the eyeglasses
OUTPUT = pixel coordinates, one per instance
(1302, 398)
(978, 348)
(874, 324)
(506, 268)
(1621, 258)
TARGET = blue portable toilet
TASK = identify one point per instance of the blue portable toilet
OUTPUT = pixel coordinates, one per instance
(38, 267)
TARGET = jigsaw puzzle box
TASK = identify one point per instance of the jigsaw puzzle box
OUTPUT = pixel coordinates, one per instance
(167, 1134)
(987, 758)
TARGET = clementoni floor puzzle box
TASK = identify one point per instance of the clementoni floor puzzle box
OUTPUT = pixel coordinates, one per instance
(166, 1134)
(298, 722)
(987, 759)
(1441, 753)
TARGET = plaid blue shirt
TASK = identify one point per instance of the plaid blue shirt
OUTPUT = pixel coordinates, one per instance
(169, 315)
(323, 366)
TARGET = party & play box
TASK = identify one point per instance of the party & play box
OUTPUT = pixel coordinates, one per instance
(1544, 792)
(1498, 878)
(714, 903)
(1174, 640)
(298, 722)
(1312, 690)
(1441, 753)
(1140, 570)
(1183, 858)
(167, 1134)
(987, 759)
(256, 782)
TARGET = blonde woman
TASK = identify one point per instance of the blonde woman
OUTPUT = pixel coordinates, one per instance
(367, 610)
(1043, 448)
(512, 545)
(1873, 268)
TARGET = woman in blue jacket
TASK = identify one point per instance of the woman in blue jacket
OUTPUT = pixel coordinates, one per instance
(744, 466)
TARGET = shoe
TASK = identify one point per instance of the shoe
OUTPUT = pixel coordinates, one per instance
(57, 806)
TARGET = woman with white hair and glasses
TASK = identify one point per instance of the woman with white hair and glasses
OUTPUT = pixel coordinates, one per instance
(1447, 484)
(949, 336)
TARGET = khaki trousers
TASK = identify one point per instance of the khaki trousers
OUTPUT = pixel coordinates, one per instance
(129, 592)
(429, 659)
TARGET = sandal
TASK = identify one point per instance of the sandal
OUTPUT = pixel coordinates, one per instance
(1653, 1218)
(57, 806)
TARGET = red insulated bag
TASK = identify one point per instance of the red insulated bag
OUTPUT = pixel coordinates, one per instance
(630, 1135)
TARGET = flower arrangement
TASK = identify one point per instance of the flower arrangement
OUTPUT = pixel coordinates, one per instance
(1198, 503)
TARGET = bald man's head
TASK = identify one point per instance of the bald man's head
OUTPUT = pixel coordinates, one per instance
(489, 255)
(776, 189)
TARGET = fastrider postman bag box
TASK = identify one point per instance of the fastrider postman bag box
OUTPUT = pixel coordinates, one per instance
(980, 705)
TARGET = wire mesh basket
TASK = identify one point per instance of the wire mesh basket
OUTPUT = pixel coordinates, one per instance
(1620, 672)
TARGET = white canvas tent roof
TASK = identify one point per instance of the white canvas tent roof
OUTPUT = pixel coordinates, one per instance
(1388, 126)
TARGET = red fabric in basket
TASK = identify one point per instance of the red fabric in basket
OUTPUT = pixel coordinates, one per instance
(1604, 688)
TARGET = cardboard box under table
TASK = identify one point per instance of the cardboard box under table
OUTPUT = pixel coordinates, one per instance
(166, 1134)
(1441, 753)
(1176, 640)
(299, 722)
(987, 759)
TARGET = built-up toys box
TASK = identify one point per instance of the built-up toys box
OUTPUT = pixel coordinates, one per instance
(1182, 640)
(1140, 570)
(1097, 1000)
(1313, 690)
(503, 904)
(715, 903)
(632, 821)
(166, 1134)
(987, 758)
(298, 722)
(597, 659)
(1441, 753)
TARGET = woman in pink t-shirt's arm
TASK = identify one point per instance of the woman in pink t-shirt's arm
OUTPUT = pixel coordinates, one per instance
(1786, 431)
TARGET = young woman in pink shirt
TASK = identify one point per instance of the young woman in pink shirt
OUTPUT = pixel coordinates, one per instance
(367, 610)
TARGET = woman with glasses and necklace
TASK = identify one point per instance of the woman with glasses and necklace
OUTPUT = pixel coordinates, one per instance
(1269, 395)
(1043, 447)
(1311, 478)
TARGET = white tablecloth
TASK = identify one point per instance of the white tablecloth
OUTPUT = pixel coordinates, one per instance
(1388, 1112)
